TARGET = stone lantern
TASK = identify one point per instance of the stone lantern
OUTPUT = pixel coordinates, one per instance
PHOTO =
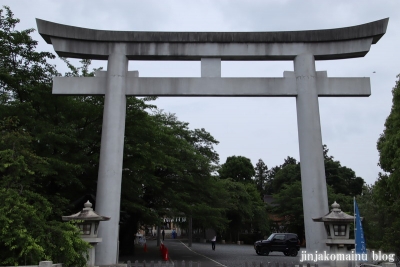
(337, 226)
(89, 228)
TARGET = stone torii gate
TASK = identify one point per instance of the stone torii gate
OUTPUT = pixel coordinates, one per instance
(306, 84)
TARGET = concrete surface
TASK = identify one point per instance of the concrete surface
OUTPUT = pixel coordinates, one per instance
(108, 197)
(372, 29)
(313, 181)
(75, 42)
(214, 86)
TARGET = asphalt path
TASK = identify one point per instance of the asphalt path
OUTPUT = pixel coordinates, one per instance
(225, 255)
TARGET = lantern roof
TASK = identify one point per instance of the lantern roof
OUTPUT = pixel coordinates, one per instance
(336, 215)
(87, 214)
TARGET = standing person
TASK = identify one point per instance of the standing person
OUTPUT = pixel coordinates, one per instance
(173, 233)
(213, 240)
(163, 234)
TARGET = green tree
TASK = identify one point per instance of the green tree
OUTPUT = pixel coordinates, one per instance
(238, 168)
(62, 132)
(342, 185)
(269, 185)
(388, 142)
(388, 206)
(290, 207)
(50, 145)
(345, 201)
(375, 218)
(261, 177)
(288, 173)
(31, 208)
(28, 236)
(343, 180)
(387, 188)
(246, 211)
(168, 172)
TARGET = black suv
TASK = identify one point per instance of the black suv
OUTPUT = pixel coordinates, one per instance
(287, 243)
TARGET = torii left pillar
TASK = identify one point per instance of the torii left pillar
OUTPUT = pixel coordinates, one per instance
(111, 152)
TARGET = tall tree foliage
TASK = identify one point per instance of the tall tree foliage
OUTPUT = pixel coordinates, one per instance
(27, 218)
(238, 168)
(288, 173)
(374, 214)
(50, 145)
(168, 171)
(387, 145)
(343, 180)
(387, 188)
(29, 236)
(246, 210)
(261, 177)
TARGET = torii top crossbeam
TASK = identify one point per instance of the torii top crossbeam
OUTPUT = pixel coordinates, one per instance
(349, 42)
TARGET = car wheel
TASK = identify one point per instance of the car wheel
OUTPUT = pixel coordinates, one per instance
(265, 251)
(293, 252)
(286, 253)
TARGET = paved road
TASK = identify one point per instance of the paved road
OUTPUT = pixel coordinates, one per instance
(225, 255)
(233, 255)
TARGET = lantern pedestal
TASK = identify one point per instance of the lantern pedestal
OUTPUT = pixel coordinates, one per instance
(92, 251)
(340, 247)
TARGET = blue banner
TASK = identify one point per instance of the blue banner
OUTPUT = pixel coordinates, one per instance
(361, 247)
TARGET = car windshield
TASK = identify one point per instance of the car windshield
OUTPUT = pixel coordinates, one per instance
(270, 237)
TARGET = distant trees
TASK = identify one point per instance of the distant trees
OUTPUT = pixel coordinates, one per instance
(238, 168)
(246, 210)
(288, 173)
(342, 179)
(289, 208)
(261, 177)
(284, 184)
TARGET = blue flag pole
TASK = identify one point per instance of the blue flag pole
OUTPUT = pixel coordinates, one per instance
(360, 245)
(355, 226)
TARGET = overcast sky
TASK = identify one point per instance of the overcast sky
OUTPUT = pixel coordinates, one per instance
(256, 128)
